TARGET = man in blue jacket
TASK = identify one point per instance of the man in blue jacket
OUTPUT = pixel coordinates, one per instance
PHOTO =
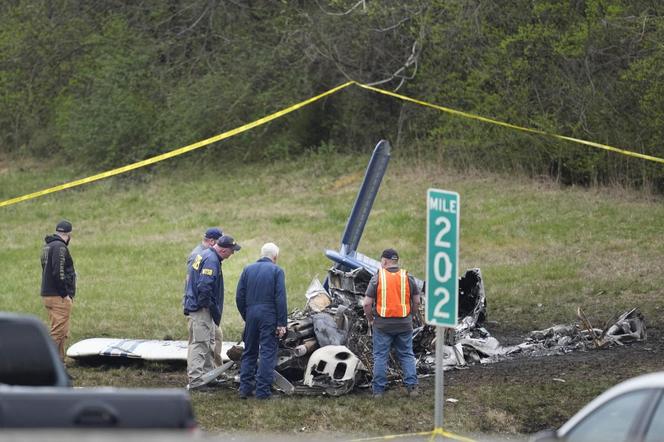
(210, 237)
(261, 300)
(203, 304)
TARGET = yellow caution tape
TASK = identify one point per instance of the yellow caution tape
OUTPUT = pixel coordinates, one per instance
(297, 106)
(512, 126)
(392, 436)
(433, 434)
(175, 152)
(443, 433)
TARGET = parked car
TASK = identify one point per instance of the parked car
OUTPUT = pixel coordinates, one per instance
(36, 393)
(27, 354)
(630, 411)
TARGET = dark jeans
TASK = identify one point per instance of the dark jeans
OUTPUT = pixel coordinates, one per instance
(403, 347)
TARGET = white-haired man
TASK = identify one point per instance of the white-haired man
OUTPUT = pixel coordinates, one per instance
(261, 301)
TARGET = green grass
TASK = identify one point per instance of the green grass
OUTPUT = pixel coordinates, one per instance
(543, 251)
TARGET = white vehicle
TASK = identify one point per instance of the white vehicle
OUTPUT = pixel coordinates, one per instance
(630, 411)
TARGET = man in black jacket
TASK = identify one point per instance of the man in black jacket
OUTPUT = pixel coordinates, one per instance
(58, 286)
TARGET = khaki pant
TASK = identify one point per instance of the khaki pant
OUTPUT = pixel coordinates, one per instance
(218, 342)
(200, 359)
(59, 310)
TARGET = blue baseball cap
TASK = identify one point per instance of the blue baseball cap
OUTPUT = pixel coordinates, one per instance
(213, 233)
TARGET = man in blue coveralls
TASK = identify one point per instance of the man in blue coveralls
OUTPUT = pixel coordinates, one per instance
(261, 300)
(203, 304)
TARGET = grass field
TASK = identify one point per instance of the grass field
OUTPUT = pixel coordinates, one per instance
(543, 251)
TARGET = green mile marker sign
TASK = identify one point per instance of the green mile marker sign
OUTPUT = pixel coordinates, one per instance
(442, 284)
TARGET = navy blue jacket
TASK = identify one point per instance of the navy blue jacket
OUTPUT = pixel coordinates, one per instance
(205, 285)
(262, 282)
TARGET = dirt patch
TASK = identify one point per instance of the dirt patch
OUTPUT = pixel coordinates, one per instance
(511, 398)
(545, 391)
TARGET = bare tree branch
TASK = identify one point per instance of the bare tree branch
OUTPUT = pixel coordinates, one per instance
(394, 26)
(193, 25)
(361, 2)
(412, 60)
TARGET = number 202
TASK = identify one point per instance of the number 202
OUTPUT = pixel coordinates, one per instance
(444, 259)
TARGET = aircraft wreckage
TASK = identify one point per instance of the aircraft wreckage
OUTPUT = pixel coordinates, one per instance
(327, 348)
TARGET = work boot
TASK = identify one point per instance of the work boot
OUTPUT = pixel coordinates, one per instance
(412, 391)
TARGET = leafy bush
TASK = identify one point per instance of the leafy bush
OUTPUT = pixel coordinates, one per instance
(107, 84)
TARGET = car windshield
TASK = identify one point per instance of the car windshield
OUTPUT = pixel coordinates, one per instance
(655, 432)
(612, 421)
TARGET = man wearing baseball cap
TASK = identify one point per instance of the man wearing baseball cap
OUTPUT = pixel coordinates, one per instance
(210, 237)
(58, 286)
(203, 304)
(390, 302)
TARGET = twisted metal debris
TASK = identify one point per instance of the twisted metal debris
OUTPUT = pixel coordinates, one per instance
(333, 319)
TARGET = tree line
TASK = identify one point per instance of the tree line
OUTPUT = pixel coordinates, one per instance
(104, 83)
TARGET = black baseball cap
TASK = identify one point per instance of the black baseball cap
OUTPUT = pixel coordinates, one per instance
(228, 242)
(63, 226)
(390, 254)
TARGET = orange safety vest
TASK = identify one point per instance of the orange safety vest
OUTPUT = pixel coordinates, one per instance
(393, 294)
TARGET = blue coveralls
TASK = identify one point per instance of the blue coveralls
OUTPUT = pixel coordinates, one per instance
(261, 300)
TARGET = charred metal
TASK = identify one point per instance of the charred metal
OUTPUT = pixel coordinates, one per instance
(327, 349)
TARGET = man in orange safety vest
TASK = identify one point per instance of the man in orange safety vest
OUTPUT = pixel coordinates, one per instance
(391, 299)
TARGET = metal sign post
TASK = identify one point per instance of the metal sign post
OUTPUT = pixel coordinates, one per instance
(442, 283)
